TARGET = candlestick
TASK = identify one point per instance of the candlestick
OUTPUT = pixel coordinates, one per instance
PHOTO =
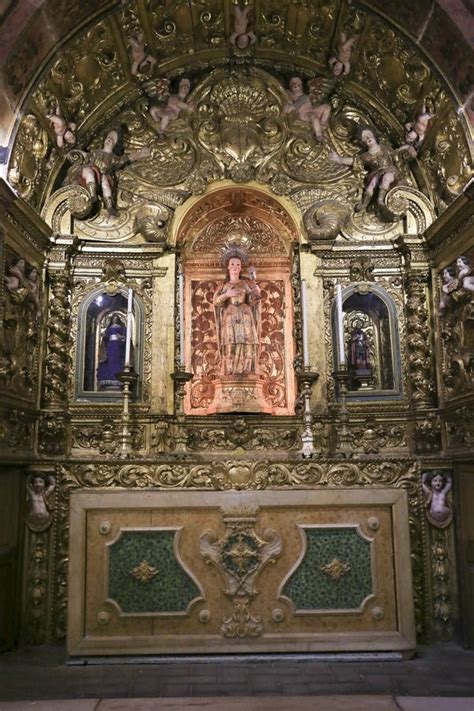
(128, 336)
(181, 317)
(340, 326)
(305, 324)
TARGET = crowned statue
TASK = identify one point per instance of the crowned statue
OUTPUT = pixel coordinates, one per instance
(237, 306)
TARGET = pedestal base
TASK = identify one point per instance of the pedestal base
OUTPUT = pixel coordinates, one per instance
(239, 393)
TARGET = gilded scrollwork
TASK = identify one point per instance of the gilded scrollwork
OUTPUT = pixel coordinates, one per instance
(26, 161)
(53, 432)
(460, 427)
(427, 433)
(242, 434)
(443, 610)
(373, 437)
(16, 431)
(35, 625)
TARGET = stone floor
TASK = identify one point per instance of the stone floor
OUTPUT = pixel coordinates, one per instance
(40, 678)
(267, 703)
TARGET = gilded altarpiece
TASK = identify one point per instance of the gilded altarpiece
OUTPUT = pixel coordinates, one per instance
(239, 162)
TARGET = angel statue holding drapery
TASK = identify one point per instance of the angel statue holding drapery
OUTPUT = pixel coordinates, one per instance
(238, 316)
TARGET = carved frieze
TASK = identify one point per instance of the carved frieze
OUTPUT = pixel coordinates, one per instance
(240, 433)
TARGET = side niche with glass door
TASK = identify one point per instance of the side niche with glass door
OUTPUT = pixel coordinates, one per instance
(101, 344)
(371, 342)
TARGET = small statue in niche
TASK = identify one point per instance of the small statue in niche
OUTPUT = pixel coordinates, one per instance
(436, 485)
(450, 283)
(99, 166)
(243, 35)
(359, 350)
(340, 62)
(416, 130)
(300, 103)
(238, 320)
(378, 160)
(39, 490)
(63, 130)
(112, 354)
(174, 105)
(464, 275)
(139, 54)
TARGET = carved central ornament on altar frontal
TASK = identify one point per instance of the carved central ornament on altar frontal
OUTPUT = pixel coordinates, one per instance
(236, 261)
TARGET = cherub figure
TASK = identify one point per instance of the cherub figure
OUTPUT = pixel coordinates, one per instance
(416, 130)
(63, 130)
(243, 35)
(16, 278)
(100, 165)
(378, 160)
(464, 275)
(450, 283)
(340, 62)
(301, 103)
(436, 485)
(33, 283)
(139, 53)
(174, 105)
(39, 516)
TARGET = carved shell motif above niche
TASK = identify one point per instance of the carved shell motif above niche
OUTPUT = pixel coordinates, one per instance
(237, 214)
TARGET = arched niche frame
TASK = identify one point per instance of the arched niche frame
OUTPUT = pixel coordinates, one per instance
(371, 342)
(251, 217)
(101, 329)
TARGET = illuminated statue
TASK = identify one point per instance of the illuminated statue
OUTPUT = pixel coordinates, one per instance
(237, 309)
(111, 355)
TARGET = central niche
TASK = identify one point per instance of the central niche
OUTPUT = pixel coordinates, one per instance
(258, 225)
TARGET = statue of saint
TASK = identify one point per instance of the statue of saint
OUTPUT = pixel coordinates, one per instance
(237, 310)
(378, 160)
(111, 355)
(359, 350)
(98, 166)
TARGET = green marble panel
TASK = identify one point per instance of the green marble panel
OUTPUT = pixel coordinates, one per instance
(310, 588)
(162, 584)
